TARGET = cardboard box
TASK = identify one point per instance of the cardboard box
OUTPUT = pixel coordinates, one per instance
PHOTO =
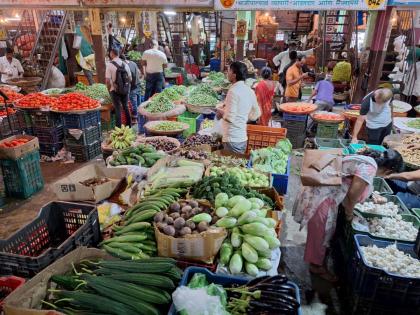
(17, 152)
(26, 300)
(70, 189)
(198, 247)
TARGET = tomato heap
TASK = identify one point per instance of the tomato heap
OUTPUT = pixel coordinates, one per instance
(14, 143)
(297, 108)
(328, 116)
(75, 101)
(35, 100)
(12, 95)
(9, 110)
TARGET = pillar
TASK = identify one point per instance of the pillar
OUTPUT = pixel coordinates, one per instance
(372, 60)
(240, 40)
(98, 48)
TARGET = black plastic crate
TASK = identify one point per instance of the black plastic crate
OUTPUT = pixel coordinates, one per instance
(89, 136)
(59, 228)
(10, 125)
(46, 119)
(360, 305)
(82, 121)
(381, 287)
(22, 176)
(50, 149)
(49, 134)
(83, 153)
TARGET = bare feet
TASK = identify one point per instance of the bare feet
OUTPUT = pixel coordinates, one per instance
(323, 273)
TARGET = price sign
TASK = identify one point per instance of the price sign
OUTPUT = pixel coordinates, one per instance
(374, 4)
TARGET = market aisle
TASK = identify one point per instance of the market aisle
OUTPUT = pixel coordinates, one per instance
(17, 213)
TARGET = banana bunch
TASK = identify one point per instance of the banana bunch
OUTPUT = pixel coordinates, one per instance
(122, 137)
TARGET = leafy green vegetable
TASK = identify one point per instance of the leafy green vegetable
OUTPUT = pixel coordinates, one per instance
(134, 55)
(159, 104)
(415, 123)
(272, 160)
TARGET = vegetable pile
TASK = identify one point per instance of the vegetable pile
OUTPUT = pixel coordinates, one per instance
(99, 92)
(135, 238)
(162, 143)
(12, 95)
(272, 160)
(115, 287)
(14, 143)
(9, 111)
(392, 260)
(134, 55)
(327, 117)
(159, 104)
(75, 101)
(122, 137)
(246, 176)
(184, 217)
(197, 140)
(36, 100)
(175, 92)
(142, 155)
(388, 208)
(298, 108)
(252, 235)
(415, 123)
(410, 155)
(202, 95)
(342, 72)
(193, 155)
(210, 186)
(169, 126)
(207, 123)
(227, 161)
(217, 79)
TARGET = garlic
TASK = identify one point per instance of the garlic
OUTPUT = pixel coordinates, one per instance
(392, 260)
(395, 228)
(389, 208)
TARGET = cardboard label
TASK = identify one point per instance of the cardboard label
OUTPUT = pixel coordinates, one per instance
(191, 248)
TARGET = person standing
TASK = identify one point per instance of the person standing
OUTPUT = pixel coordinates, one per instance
(240, 106)
(134, 95)
(294, 77)
(283, 59)
(323, 93)
(118, 78)
(265, 91)
(154, 61)
(376, 112)
(10, 68)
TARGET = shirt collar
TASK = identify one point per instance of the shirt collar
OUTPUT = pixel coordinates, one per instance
(237, 83)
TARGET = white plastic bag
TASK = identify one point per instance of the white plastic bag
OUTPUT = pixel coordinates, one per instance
(197, 302)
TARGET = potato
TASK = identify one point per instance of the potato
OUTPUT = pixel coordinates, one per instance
(185, 230)
(190, 224)
(193, 203)
(202, 226)
(196, 210)
(179, 223)
(161, 226)
(169, 230)
(175, 207)
(170, 220)
(175, 215)
(186, 209)
(159, 217)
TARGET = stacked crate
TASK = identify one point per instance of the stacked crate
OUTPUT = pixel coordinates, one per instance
(296, 128)
(48, 128)
(83, 135)
(12, 124)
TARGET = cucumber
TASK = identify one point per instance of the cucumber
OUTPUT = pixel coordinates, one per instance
(138, 266)
(147, 279)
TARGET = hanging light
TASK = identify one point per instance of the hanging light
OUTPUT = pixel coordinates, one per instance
(123, 20)
(266, 14)
(172, 13)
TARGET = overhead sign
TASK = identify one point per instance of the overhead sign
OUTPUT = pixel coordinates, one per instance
(408, 3)
(39, 3)
(165, 4)
(310, 5)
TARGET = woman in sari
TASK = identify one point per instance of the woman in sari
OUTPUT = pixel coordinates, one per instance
(265, 91)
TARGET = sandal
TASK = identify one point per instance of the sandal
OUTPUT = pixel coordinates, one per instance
(323, 273)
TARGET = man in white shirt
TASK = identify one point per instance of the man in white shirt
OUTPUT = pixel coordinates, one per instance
(283, 59)
(10, 68)
(119, 100)
(240, 106)
(153, 61)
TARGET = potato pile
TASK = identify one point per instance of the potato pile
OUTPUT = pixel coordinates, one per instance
(185, 217)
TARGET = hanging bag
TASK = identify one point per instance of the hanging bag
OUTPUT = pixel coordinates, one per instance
(322, 168)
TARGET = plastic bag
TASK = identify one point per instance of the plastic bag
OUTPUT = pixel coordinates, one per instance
(197, 302)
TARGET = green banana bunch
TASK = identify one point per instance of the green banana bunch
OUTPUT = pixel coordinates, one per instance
(122, 137)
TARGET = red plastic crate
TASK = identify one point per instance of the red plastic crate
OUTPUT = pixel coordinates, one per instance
(7, 286)
(263, 136)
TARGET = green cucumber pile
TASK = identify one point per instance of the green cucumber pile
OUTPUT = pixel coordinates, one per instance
(247, 176)
(135, 238)
(115, 287)
(143, 155)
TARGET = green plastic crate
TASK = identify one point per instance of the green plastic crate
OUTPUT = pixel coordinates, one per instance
(346, 142)
(23, 177)
(380, 185)
(416, 212)
(327, 130)
(328, 143)
(191, 120)
(397, 201)
(108, 125)
(354, 147)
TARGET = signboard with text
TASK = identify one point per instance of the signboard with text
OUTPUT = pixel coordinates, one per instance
(315, 5)
(149, 3)
(39, 3)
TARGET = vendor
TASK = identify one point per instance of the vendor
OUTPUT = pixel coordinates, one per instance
(10, 68)
(323, 93)
(239, 107)
(283, 59)
(376, 111)
(294, 78)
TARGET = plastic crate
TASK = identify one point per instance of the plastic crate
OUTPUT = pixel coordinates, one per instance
(8, 285)
(327, 130)
(25, 118)
(354, 147)
(89, 135)
(328, 143)
(279, 181)
(360, 305)
(58, 229)
(22, 177)
(82, 121)
(50, 149)
(10, 125)
(141, 121)
(46, 119)
(224, 280)
(346, 142)
(108, 125)
(83, 153)
(203, 117)
(380, 185)
(49, 134)
(191, 120)
(262, 137)
(416, 212)
(398, 201)
(380, 286)
(295, 117)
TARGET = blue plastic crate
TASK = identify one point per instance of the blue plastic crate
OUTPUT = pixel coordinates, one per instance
(279, 181)
(141, 121)
(221, 279)
(202, 117)
(380, 286)
(347, 142)
(49, 134)
(82, 121)
(354, 147)
(294, 117)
